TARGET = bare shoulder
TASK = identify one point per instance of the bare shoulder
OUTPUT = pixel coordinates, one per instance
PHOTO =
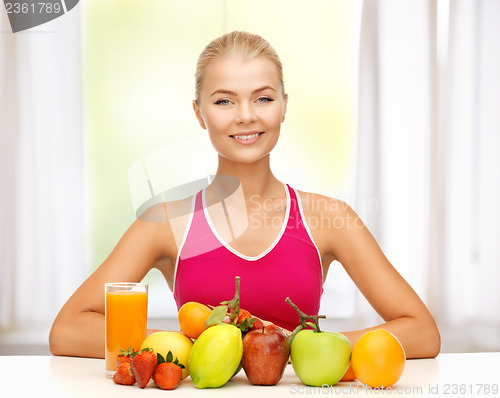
(162, 212)
(165, 224)
(329, 221)
(320, 206)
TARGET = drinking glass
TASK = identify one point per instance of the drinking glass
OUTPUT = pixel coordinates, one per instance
(126, 313)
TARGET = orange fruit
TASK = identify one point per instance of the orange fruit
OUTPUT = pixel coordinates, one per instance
(192, 317)
(349, 374)
(378, 359)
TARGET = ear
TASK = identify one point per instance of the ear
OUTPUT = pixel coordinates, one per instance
(197, 112)
(284, 108)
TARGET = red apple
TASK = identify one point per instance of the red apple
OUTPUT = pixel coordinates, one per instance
(265, 355)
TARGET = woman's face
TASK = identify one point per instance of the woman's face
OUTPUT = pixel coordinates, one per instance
(242, 106)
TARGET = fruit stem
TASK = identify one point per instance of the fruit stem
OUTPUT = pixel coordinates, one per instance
(236, 300)
(234, 305)
(237, 293)
(304, 317)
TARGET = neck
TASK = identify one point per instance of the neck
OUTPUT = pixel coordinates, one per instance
(255, 178)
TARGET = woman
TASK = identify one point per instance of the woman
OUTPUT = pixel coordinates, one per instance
(290, 237)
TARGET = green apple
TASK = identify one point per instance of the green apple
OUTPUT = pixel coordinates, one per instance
(320, 358)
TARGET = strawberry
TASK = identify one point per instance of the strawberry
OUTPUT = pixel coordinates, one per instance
(245, 320)
(123, 375)
(244, 314)
(143, 366)
(125, 356)
(167, 375)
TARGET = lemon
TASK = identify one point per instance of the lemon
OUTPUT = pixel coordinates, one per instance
(177, 342)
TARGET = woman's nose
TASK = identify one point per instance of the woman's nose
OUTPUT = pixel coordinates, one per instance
(245, 114)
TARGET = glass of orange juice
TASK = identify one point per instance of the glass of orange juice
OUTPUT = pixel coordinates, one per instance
(126, 313)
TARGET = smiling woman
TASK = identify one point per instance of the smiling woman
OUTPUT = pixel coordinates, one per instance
(241, 99)
(239, 78)
(242, 105)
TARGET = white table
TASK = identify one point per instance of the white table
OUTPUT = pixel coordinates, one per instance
(448, 375)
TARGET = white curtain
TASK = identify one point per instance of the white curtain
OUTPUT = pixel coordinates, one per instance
(429, 151)
(469, 127)
(41, 171)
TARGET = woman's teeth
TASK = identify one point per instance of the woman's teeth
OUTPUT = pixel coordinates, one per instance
(245, 137)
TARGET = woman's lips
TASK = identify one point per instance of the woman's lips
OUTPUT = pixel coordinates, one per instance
(247, 138)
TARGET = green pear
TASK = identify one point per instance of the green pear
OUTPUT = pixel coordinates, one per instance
(215, 356)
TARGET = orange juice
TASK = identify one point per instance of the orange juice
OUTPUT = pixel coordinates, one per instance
(126, 322)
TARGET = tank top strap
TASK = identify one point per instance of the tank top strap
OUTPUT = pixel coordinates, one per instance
(199, 238)
(294, 207)
(294, 217)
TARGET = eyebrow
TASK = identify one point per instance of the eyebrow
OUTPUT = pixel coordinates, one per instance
(229, 92)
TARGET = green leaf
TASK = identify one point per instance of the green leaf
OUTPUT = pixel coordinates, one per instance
(170, 357)
(128, 352)
(295, 331)
(246, 324)
(178, 364)
(217, 316)
(160, 359)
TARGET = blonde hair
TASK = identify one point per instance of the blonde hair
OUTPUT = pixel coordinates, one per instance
(242, 44)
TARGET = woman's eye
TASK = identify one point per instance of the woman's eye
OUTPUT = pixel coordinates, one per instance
(265, 99)
(223, 102)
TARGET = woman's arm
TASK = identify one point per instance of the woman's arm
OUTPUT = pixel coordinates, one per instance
(404, 313)
(78, 329)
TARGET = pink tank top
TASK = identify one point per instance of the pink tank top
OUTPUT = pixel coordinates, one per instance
(291, 267)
